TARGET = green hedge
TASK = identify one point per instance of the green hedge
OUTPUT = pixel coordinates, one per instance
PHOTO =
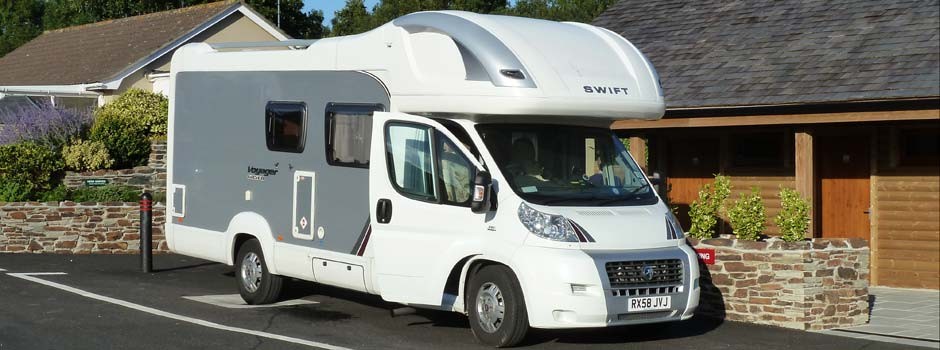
(126, 125)
(27, 168)
(108, 193)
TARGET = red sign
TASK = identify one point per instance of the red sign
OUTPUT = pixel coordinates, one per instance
(706, 255)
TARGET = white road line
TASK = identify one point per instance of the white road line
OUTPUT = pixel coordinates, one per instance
(234, 301)
(1, 270)
(150, 310)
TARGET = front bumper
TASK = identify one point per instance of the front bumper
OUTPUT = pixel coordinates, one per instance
(571, 289)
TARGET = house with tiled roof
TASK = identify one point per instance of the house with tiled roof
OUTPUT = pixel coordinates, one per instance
(90, 64)
(837, 99)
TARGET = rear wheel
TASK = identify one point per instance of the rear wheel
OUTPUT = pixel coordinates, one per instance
(255, 283)
(496, 306)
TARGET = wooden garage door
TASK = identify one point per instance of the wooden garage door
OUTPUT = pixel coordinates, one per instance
(691, 164)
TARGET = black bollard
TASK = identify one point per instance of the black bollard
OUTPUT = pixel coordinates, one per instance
(146, 232)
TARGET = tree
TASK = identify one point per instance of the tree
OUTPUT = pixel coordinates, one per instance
(20, 21)
(353, 18)
(294, 21)
(388, 10)
(560, 10)
(479, 6)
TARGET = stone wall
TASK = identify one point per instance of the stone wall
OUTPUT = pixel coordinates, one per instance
(76, 228)
(151, 177)
(811, 285)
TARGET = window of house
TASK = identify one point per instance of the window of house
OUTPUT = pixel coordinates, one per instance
(919, 147)
(285, 124)
(349, 134)
(757, 150)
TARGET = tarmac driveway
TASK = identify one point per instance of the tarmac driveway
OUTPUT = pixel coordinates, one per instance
(104, 302)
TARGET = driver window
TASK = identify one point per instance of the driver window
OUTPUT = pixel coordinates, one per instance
(456, 175)
(408, 152)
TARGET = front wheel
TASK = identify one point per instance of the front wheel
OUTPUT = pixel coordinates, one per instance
(255, 283)
(496, 307)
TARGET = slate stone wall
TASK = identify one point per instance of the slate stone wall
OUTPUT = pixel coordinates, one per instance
(811, 285)
(76, 228)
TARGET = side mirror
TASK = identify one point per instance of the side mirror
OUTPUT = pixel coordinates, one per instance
(481, 191)
(656, 178)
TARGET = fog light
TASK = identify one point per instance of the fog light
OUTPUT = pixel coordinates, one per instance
(565, 316)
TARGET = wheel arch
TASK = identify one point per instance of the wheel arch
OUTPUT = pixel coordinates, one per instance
(471, 265)
(245, 226)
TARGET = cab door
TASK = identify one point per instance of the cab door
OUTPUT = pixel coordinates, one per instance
(419, 190)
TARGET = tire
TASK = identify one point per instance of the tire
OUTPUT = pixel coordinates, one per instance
(255, 284)
(491, 288)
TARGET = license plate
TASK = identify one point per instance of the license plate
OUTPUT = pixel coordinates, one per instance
(649, 303)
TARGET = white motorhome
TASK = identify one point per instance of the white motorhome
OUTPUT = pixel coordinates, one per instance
(445, 160)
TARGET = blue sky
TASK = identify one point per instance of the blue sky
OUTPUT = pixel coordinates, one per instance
(331, 6)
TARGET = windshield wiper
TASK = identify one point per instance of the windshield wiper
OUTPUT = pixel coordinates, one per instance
(629, 196)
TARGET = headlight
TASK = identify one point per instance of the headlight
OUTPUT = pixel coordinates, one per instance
(548, 226)
(673, 229)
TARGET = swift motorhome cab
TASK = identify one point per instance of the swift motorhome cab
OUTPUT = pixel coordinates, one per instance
(445, 160)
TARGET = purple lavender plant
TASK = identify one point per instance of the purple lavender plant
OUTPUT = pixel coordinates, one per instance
(44, 123)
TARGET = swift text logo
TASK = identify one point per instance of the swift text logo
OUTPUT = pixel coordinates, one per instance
(605, 90)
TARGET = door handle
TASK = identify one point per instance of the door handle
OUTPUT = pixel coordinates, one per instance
(383, 211)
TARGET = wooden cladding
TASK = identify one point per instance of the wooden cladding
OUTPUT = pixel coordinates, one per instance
(889, 170)
(907, 225)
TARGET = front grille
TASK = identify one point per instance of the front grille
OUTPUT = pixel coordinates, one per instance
(645, 291)
(630, 274)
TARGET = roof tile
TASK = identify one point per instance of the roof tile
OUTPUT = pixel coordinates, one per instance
(785, 51)
(94, 52)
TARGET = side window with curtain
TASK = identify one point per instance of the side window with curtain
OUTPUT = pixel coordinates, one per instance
(410, 162)
(349, 134)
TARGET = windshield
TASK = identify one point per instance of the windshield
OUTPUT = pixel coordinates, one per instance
(566, 165)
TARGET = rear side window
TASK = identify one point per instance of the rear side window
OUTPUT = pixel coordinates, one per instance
(285, 124)
(349, 134)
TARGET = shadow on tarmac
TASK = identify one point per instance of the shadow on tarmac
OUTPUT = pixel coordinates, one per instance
(186, 267)
(614, 335)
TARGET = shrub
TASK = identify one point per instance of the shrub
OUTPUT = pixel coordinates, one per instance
(125, 139)
(31, 165)
(12, 191)
(793, 220)
(109, 193)
(56, 194)
(704, 211)
(159, 197)
(747, 216)
(43, 124)
(86, 156)
(148, 108)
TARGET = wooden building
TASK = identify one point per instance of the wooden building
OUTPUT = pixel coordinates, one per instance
(838, 99)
